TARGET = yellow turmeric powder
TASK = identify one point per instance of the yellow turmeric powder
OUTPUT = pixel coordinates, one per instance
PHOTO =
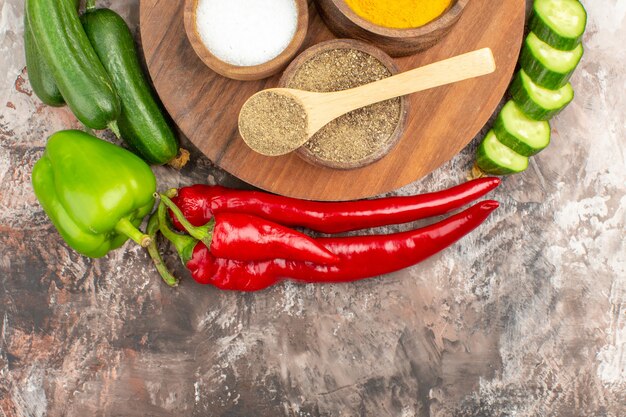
(399, 14)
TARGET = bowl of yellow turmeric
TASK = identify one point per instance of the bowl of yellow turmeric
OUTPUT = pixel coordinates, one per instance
(399, 27)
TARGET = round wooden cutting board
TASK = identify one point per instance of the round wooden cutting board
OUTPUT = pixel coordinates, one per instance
(442, 121)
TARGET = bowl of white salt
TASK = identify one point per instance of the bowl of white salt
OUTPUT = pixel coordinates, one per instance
(246, 39)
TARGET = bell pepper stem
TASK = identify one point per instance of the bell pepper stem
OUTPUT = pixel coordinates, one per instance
(125, 227)
(91, 4)
(153, 251)
(165, 273)
(184, 244)
(202, 233)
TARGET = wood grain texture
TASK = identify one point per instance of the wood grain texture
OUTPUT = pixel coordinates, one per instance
(442, 121)
(344, 22)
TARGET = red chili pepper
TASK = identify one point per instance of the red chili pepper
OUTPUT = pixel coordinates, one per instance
(247, 238)
(199, 203)
(360, 257)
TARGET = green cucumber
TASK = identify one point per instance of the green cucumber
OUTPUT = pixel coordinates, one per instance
(494, 158)
(548, 67)
(537, 102)
(41, 80)
(141, 122)
(559, 23)
(517, 131)
(65, 48)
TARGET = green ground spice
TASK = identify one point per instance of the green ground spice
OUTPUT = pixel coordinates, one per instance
(359, 134)
(273, 124)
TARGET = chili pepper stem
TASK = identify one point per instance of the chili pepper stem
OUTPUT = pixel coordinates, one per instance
(202, 233)
(153, 251)
(171, 193)
(125, 227)
(115, 129)
(184, 244)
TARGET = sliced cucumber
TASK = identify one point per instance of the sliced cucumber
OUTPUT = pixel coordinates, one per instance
(548, 67)
(522, 134)
(537, 102)
(559, 23)
(494, 158)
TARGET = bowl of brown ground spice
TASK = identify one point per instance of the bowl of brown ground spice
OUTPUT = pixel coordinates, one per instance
(361, 137)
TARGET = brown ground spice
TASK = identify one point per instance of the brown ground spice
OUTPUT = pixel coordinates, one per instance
(273, 124)
(356, 135)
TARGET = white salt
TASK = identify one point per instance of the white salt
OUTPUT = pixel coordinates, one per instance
(246, 32)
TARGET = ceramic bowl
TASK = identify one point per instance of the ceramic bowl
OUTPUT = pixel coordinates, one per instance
(389, 63)
(345, 23)
(246, 73)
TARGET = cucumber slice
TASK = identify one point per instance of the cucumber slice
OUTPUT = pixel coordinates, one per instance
(559, 23)
(494, 158)
(517, 131)
(548, 67)
(537, 102)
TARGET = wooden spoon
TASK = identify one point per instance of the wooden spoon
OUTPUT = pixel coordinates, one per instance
(277, 121)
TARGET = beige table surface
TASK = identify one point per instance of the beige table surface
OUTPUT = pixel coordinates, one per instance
(525, 317)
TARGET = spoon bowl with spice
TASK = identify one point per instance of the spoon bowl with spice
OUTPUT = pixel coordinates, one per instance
(246, 40)
(278, 121)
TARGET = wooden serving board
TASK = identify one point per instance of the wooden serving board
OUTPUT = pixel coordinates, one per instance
(441, 123)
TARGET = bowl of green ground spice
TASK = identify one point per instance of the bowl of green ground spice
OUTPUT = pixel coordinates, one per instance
(361, 137)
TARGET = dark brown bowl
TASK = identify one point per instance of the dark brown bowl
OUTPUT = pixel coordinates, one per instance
(345, 23)
(388, 62)
(246, 73)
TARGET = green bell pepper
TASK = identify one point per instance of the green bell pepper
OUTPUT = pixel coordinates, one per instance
(96, 194)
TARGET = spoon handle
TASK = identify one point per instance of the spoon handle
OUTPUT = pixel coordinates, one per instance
(458, 68)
